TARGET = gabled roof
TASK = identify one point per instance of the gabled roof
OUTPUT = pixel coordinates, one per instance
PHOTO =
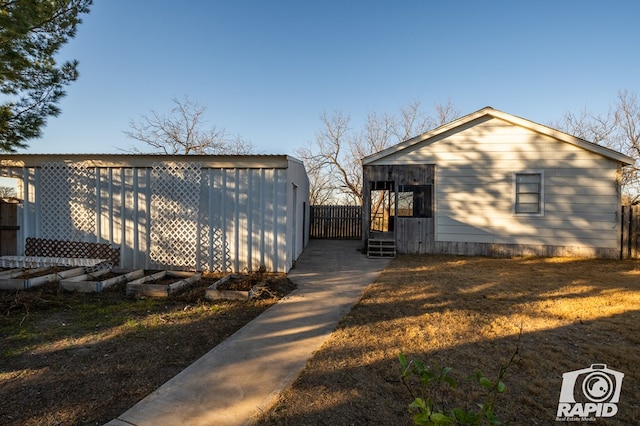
(147, 160)
(518, 121)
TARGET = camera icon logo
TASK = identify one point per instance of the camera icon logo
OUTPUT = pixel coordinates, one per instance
(590, 392)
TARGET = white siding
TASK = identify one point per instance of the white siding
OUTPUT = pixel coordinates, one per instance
(475, 165)
(297, 209)
(242, 219)
(245, 215)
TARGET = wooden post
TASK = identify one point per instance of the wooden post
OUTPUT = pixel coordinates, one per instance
(8, 228)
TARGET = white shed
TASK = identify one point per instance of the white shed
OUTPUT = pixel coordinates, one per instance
(197, 212)
(491, 183)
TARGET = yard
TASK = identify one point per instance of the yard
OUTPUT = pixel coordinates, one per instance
(84, 359)
(73, 358)
(467, 313)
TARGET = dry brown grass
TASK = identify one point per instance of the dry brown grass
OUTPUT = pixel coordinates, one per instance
(80, 359)
(467, 313)
(84, 359)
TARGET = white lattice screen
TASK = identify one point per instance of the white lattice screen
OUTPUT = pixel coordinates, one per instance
(68, 202)
(220, 256)
(175, 205)
(214, 254)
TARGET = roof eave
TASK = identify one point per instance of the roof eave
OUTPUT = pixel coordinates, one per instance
(489, 111)
(427, 135)
(564, 137)
(147, 160)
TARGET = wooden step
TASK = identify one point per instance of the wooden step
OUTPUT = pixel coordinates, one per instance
(381, 248)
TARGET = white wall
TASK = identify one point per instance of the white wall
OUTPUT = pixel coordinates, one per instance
(244, 215)
(297, 209)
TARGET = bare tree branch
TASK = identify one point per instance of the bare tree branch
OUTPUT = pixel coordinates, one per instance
(333, 160)
(182, 132)
(444, 114)
(628, 125)
(618, 129)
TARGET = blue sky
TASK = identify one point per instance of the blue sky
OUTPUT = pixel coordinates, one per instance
(266, 70)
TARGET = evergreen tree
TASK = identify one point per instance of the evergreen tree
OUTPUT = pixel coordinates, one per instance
(31, 82)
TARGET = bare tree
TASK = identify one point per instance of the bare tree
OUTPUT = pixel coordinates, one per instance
(324, 159)
(618, 128)
(628, 141)
(182, 131)
(7, 192)
(333, 159)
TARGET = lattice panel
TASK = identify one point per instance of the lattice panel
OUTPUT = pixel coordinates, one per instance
(175, 206)
(219, 253)
(205, 247)
(71, 249)
(68, 201)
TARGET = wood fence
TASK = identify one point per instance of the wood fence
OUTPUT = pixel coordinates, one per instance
(336, 222)
(630, 232)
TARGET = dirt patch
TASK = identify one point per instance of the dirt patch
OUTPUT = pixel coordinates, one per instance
(74, 358)
(103, 277)
(467, 313)
(236, 283)
(264, 285)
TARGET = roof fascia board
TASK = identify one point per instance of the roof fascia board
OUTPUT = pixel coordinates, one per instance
(147, 160)
(564, 137)
(427, 135)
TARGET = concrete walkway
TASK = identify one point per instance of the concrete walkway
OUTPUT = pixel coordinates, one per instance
(241, 377)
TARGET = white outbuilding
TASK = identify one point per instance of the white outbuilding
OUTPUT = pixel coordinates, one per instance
(196, 212)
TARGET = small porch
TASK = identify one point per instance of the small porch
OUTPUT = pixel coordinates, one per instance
(397, 212)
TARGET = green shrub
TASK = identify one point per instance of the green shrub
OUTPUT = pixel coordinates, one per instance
(429, 408)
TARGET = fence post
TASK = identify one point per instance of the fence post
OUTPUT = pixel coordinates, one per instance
(623, 214)
(634, 230)
(630, 232)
